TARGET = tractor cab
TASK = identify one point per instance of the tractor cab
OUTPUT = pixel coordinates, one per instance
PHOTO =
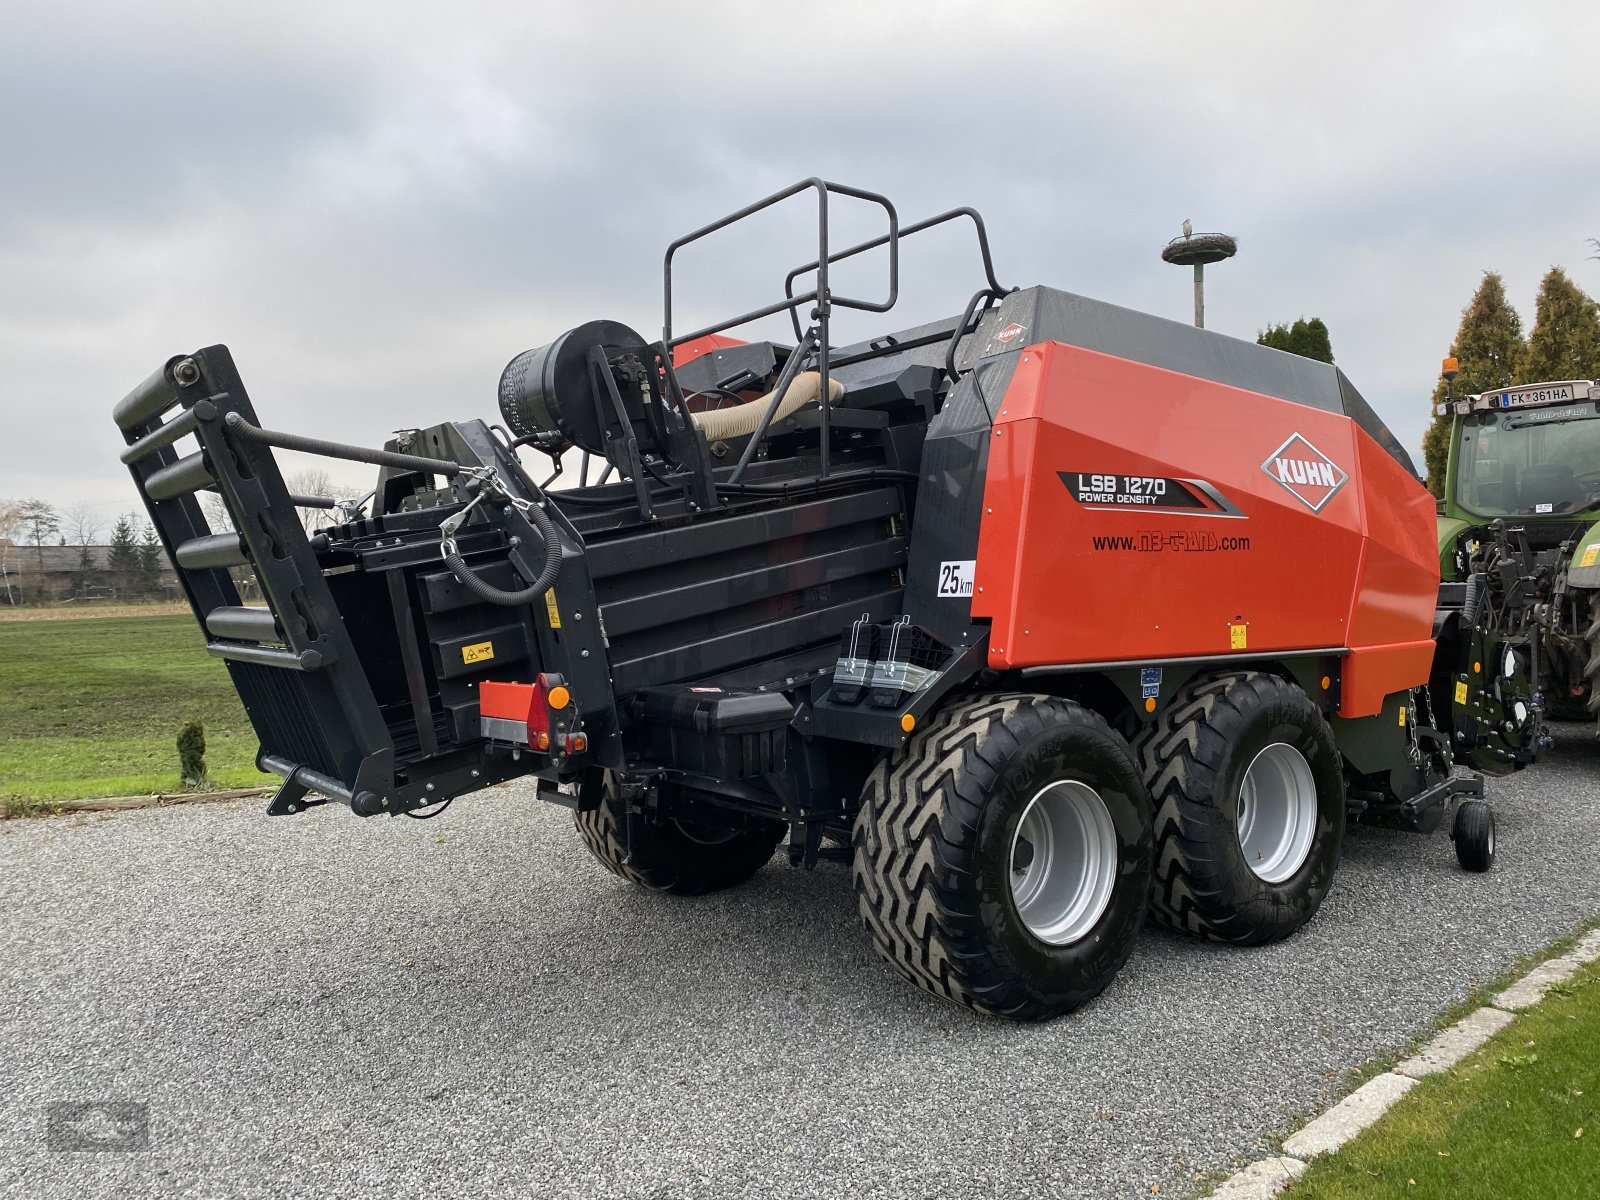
(1528, 453)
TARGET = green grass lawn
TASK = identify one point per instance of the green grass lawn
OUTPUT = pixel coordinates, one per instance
(92, 708)
(1517, 1120)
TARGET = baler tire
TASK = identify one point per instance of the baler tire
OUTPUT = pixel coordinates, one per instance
(1194, 764)
(664, 856)
(936, 846)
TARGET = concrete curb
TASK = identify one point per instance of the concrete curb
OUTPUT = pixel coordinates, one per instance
(1261, 1180)
(125, 803)
(1361, 1108)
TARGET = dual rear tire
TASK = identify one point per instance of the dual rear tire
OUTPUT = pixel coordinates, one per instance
(1248, 793)
(1007, 857)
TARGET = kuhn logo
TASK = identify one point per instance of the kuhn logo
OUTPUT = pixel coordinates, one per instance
(1308, 474)
(1009, 333)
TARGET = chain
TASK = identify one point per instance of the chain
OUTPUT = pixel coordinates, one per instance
(489, 483)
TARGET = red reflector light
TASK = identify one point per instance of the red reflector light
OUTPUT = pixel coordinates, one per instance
(510, 701)
(523, 703)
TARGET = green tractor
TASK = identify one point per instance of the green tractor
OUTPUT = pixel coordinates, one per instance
(1519, 553)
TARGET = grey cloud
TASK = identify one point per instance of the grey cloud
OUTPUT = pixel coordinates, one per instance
(377, 213)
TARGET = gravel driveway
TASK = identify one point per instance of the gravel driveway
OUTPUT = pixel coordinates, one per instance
(325, 1006)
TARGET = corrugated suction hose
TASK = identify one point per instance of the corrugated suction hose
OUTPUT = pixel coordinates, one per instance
(490, 594)
(720, 424)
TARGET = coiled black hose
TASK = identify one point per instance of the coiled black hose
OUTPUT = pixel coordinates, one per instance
(1475, 588)
(490, 594)
(487, 592)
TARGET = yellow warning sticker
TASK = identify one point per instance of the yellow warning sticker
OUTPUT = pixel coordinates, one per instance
(551, 610)
(1402, 714)
(477, 652)
(1591, 554)
(1237, 636)
(1461, 691)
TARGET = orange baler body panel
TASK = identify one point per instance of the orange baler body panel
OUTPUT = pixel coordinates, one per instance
(1257, 526)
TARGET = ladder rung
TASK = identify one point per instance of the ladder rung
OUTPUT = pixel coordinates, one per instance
(174, 429)
(243, 624)
(217, 550)
(306, 660)
(151, 398)
(188, 474)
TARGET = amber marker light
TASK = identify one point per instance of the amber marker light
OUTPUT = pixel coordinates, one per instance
(560, 697)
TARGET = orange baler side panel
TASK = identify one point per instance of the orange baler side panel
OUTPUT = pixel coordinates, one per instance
(1398, 587)
(1274, 566)
(1370, 674)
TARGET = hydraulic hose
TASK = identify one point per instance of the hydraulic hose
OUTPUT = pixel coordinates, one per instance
(1469, 610)
(490, 594)
(721, 424)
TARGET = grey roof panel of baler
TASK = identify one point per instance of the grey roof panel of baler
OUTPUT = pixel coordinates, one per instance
(1047, 314)
(1359, 411)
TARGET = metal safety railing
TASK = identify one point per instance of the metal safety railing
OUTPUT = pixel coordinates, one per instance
(821, 295)
(812, 341)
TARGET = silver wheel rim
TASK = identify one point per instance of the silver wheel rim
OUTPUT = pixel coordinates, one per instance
(1063, 862)
(1277, 812)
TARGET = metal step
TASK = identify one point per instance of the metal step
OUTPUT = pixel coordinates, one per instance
(214, 550)
(305, 660)
(188, 474)
(150, 399)
(244, 624)
(183, 423)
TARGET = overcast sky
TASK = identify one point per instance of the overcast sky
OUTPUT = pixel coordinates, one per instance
(377, 207)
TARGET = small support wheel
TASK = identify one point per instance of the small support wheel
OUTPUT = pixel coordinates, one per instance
(1473, 833)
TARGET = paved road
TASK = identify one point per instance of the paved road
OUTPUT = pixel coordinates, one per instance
(323, 1006)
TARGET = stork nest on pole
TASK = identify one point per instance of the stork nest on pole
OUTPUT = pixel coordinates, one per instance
(1200, 248)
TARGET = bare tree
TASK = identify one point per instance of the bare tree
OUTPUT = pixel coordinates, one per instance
(39, 524)
(10, 529)
(215, 510)
(317, 482)
(82, 524)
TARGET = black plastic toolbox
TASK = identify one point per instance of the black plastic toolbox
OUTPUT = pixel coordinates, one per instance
(709, 731)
